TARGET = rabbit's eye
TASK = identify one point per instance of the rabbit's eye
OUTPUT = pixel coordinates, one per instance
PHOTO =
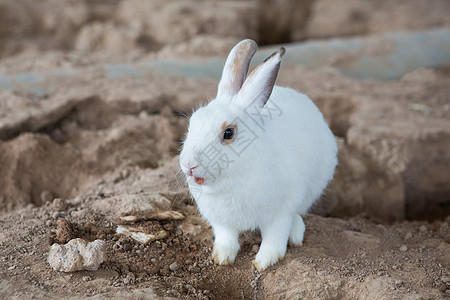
(228, 133)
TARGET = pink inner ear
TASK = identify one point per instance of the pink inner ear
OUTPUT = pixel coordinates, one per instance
(258, 87)
(236, 68)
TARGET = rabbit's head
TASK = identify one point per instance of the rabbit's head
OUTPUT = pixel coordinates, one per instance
(221, 130)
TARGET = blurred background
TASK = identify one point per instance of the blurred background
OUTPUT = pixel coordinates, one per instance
(140, 27)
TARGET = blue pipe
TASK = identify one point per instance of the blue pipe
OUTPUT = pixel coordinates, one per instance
(404, 52)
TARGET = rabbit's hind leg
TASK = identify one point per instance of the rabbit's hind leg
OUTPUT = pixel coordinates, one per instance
(274, 241)
(297, 231)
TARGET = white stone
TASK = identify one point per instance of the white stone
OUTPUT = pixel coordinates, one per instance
(77, 255)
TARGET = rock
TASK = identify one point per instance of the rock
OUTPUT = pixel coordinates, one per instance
(65, 231)
(59, 204)
(130, 279)
(190, 229)
(77, 255)
(165, 215)
(161, 215)
(173, 267)
(128, 204)
(141, 234)
(128, 219)
(403, 248)
(407, 236)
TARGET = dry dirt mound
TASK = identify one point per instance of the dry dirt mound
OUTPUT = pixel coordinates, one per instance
(81, 133)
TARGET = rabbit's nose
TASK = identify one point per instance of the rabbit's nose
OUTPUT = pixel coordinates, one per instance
(190, 170)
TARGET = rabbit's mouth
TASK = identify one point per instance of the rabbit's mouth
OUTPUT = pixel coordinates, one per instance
(197, 179)
(193, 173)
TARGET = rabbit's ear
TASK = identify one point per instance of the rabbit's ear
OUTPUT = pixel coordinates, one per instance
(236, 68)
(259, 84)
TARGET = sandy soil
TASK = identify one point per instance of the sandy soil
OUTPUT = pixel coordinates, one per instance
(352, 258)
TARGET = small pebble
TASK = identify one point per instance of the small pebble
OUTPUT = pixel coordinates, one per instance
(125, 174)
(130, 279)
(173, 267)
(403, 248)
(59, 214)
(408, 236)
(127, 247)
(59, 204)
(423, 229)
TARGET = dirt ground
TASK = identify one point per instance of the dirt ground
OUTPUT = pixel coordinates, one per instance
(95, 148)
(353, 258)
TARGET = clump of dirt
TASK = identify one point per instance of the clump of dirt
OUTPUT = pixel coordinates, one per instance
(64, 231)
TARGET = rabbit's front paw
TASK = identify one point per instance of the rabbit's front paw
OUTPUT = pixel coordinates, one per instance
(223, 255)
(266, 258)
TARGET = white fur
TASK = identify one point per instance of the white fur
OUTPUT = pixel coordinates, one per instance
(267, 185)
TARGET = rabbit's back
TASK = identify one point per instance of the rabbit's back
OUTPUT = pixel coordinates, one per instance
(301, 145)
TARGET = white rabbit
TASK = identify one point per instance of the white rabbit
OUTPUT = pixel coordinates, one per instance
(257, 156)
